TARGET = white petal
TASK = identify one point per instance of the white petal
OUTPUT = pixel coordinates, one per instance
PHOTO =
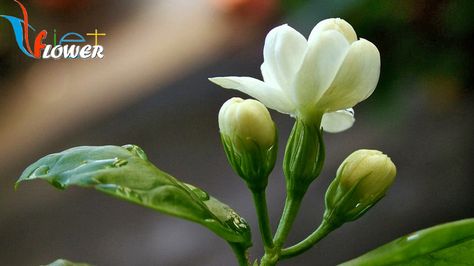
(338, 121)
(355, 80)
(282, 55)
(337, 24)
(271, 97)
(268, 76)
(324, 56)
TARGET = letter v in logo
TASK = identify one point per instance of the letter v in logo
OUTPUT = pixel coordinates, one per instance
(20, 29)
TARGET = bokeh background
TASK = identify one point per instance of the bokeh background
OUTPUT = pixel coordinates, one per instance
(152, 90)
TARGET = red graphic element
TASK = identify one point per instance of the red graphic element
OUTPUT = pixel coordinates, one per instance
(39, 45)
(25, 26)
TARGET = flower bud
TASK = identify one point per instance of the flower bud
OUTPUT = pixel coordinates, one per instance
(304, 157)
(361, 181)
(249, 137)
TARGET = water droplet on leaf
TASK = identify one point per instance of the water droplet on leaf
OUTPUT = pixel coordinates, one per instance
(119, 162)
(135, 150)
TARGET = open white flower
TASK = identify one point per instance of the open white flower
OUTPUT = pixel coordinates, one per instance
(317, 80)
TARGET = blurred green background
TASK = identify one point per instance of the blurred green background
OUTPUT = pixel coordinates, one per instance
(152, 90)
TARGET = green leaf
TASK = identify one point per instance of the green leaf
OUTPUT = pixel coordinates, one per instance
(446, 244)
(126, 173)
(62, 262)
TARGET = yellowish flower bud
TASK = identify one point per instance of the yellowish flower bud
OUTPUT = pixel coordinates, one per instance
(248, 120)
(361, 181)
(370, 170)
(249, 137)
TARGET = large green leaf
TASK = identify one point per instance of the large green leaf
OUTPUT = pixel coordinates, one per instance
(62, 262)
(126, 173)
(442, 245)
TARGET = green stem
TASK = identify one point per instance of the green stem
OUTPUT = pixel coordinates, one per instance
(322, 231)
(240, 253)
(292, 205)
(260, 202)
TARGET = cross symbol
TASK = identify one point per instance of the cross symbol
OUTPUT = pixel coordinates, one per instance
(96, 35)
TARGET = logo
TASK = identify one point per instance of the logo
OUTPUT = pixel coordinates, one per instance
(71, 45)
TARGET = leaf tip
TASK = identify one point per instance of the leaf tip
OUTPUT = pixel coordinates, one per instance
(17, 183)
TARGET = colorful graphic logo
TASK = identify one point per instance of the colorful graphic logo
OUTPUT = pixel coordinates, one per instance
(69, 45)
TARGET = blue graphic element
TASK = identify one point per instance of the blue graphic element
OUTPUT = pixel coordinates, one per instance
(18, 30)
(79, 39)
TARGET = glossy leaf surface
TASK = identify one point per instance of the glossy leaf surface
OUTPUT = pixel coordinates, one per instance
(125, 172)
(442, 245)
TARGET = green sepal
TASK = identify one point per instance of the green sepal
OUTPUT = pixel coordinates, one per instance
(125, 172)
(250, 161)
(442, 245)
(304, 156)
(63, 262)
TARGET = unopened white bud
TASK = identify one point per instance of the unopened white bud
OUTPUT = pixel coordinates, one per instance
(362, 180)
(248, 120)
(250, 140)
(370, 170)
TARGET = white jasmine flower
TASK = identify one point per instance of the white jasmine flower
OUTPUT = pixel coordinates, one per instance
(317, 80)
